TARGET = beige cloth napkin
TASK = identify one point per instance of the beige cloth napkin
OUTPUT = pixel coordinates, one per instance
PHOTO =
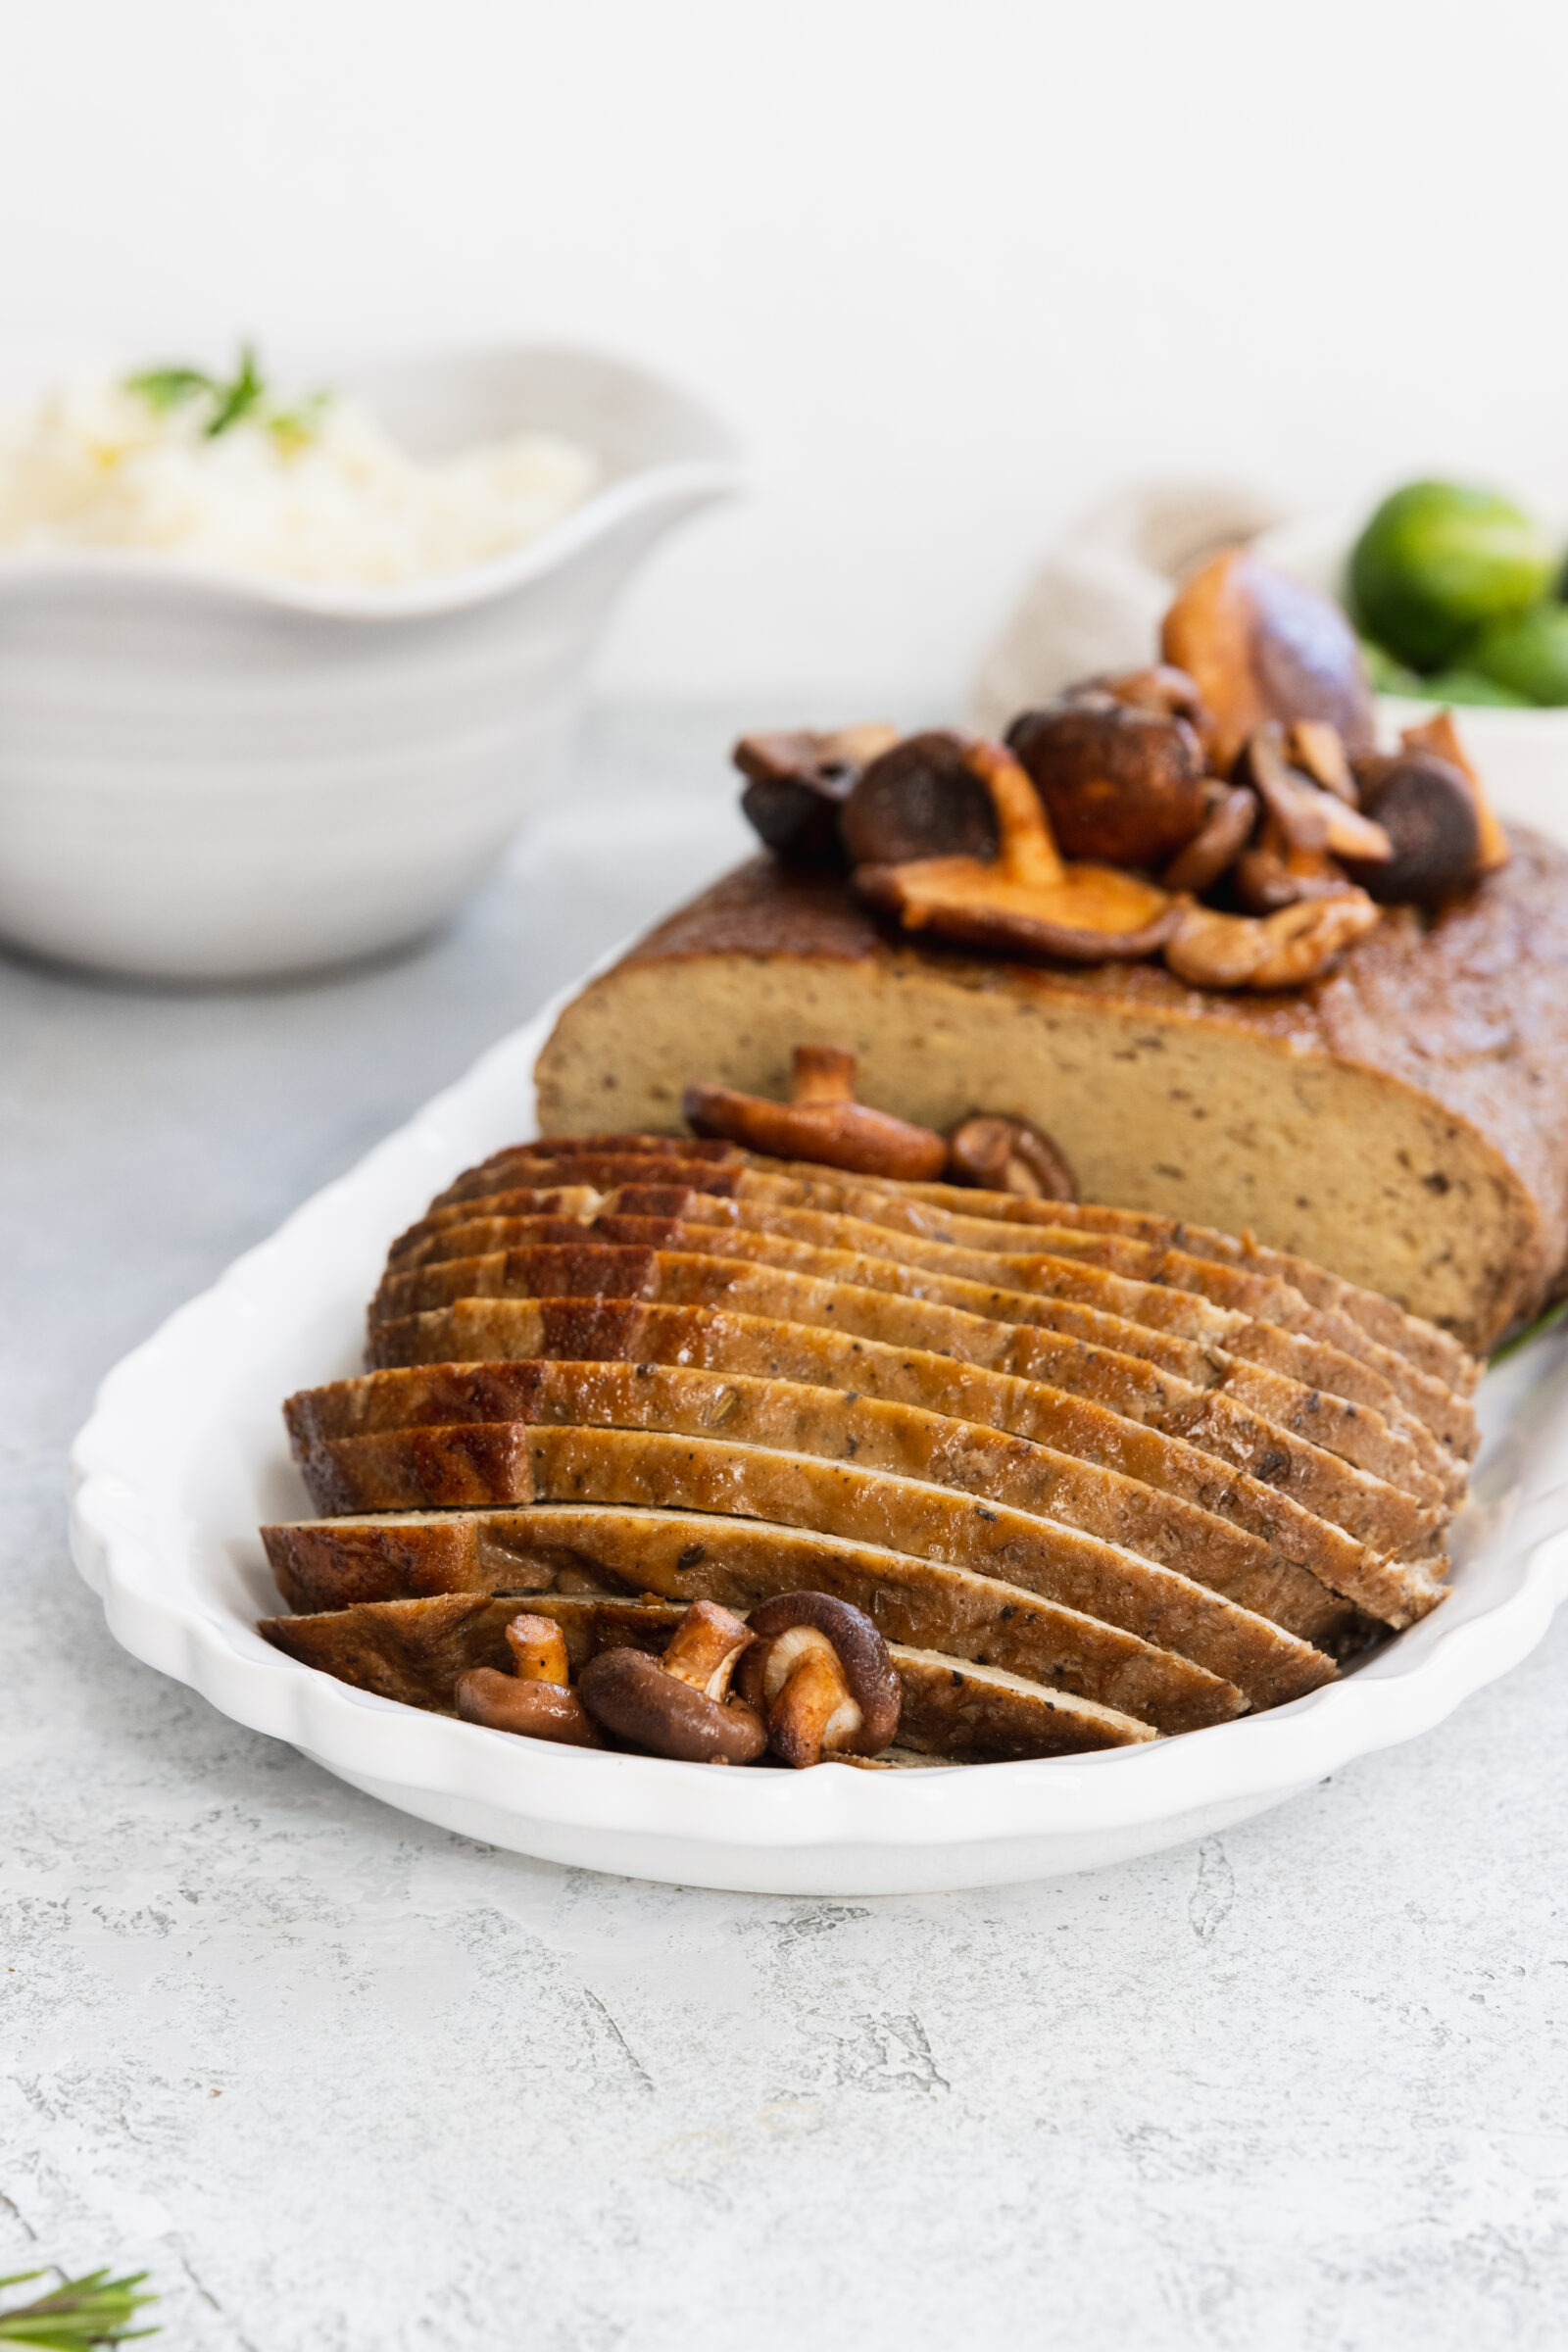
(1098, 600)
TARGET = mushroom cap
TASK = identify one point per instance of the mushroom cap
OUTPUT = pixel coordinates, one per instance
(838, 1135)
(630, 1694)
(1260, 646)
(1427, 808)
(1097, 914)
(919, 800)
(1008, 1155)
(861, 1653)
(1121, 784)
(503, 1703)
(1283, 950)
(796, 784)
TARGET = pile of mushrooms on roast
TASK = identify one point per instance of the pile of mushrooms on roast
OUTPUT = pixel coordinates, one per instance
(1224, 807)
(805, 1679)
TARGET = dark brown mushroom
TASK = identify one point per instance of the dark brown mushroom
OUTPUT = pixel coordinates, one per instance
(820, 1675)
(678, 1706)
(797, 783)
(1120, 782)
(1440, 735)
(535, 1699)
(1009, 1156)
(1309, 820)
(1426, 809)
(1227, 829)
(920, 800)
(822, 1121)
(1160, 687)
(1260, 646)
(1027, 901)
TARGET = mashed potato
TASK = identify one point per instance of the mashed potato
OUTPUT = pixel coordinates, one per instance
(317, 491)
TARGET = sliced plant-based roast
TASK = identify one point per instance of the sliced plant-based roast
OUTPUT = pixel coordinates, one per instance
(767, 1409)
(470, 1465)
(1301, 1564)
(720, 1167)
(686, 1555)
(1065, 1265)
(416, 1650)
(1370, 1509)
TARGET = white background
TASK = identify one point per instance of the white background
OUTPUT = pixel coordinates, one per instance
(950, 267)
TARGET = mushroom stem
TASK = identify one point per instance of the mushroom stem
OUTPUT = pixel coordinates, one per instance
(705, 1648)
(823, 1074)
(1028, 855)
(539, 1651)
(811, 1709)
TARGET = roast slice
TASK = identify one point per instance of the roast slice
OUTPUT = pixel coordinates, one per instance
(800, 1418)
(403, 1294)
(1304, 1553)
(414, 1650)
(1376, 1513)
(1423, 1344)
(477, 1463)
(685, 1555)
(1275, 1373)
(472, 1464)
(1264, 1293)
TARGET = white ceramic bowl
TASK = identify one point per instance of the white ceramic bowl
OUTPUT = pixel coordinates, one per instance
(184, 1455)
(1522, 754)
(209, 774)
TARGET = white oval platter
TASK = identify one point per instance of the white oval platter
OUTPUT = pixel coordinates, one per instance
(184, 1456)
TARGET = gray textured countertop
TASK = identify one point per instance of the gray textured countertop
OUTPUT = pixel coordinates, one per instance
(348, 2084)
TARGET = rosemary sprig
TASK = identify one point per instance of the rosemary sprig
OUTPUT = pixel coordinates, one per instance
(95, 2309)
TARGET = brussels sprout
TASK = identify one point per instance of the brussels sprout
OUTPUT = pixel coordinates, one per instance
(1469, 686)
(1439, 563)
(1529, 656)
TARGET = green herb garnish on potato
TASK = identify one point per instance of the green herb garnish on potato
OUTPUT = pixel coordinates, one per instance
(241, 398)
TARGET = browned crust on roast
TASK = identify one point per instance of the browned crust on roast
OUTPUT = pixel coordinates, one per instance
(1375, 1513)
(764, 1409)
(413, 1652)
(1469, 1010)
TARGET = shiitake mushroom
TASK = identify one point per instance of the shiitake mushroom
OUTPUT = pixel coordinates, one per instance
(1259, 647)
(797, 783)
(919, 800)
(1427, 810)
(1121, 784)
